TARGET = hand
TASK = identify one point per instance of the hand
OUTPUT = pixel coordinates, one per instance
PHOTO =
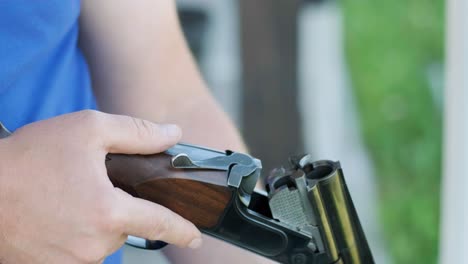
(57, 204)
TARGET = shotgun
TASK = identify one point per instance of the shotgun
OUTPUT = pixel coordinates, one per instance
(305, 215)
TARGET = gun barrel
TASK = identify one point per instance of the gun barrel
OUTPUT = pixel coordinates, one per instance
(337, 215)
(313, 198)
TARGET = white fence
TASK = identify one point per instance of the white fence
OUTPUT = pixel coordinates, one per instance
(454, 233)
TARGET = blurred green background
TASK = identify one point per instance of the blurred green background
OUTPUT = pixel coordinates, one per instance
(392, 50)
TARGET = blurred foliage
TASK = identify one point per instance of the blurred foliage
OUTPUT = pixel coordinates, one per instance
(390, 46)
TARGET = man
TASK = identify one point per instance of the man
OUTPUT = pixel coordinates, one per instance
(56, 57)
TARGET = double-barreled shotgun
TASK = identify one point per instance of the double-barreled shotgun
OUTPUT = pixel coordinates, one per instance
(305, 216)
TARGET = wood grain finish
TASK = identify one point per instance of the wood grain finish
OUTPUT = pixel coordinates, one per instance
(201, 203)
(200, 196)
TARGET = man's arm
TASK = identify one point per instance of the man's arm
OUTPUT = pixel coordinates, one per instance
(141, 66)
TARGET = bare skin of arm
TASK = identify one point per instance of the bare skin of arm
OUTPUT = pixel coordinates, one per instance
(141, 66)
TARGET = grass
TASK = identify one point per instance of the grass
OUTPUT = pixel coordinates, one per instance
(390, 45)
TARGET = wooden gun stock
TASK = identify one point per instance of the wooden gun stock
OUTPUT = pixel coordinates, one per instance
(200, 196)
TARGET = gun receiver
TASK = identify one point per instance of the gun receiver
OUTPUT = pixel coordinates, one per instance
(306, 215)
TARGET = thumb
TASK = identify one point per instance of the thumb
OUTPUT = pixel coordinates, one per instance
(130, 135)
(154, 222)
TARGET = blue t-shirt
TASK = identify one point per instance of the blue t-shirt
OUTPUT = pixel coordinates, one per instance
(42, 71)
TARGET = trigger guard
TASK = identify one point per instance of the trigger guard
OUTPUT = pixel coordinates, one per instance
(144, 243)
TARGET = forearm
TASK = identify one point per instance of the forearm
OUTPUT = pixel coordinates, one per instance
(206, 124)
(202, 120)
(141, 66)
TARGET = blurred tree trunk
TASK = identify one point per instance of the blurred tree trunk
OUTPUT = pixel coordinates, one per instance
(271, 124)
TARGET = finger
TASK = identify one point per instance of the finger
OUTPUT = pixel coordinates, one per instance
(154, 222)
(130, 135)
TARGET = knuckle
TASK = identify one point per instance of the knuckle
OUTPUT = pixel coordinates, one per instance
(163, 227)
(88, 113)
(144, 128)
(115, 221)
(92, 119)
(107, 218)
